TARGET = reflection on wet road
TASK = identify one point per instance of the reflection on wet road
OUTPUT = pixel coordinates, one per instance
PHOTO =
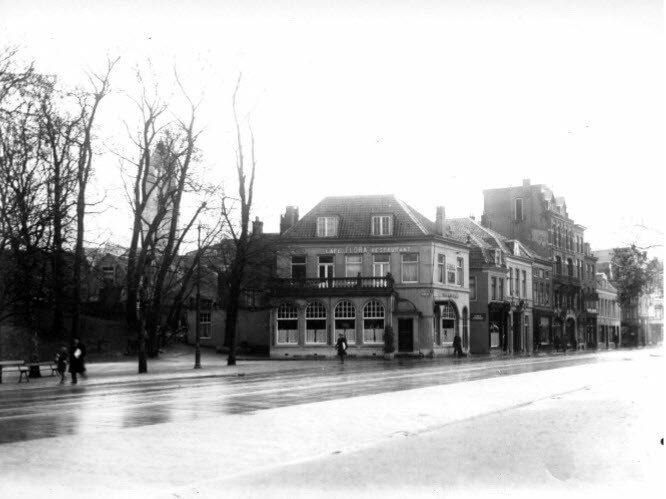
(66, 410)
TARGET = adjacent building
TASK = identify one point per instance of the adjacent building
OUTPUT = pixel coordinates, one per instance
(609, 313)
(534, 215)
(501, 302)
(355, 265)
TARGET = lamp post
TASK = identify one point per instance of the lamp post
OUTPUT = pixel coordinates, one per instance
(197, 344)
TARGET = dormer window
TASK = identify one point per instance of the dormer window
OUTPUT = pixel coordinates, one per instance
(498, 257)
(327, 226)
(381, 225)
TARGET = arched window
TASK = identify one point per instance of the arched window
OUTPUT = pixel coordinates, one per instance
(345, 320)
(449, 323)
(315, 323)
(287, 323)
(373, 322)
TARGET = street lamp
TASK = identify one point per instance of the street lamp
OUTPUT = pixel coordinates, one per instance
(197, 344)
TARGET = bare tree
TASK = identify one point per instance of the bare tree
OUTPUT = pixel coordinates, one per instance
(238, 230)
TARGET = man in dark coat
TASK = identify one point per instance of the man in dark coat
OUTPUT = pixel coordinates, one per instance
(77, 355)
(341, 345)
(457, 346)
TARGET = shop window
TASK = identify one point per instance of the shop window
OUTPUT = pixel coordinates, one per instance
(410, 267)
(205, 330)
(287, 324)
(381, 265)
(327, 226)
(345, 320)
(441, 268)
(373, 322)
(382, 226)
(315, 323)
(353, 265)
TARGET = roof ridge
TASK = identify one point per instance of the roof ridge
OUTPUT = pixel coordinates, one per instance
(411, 215)
(500, 243)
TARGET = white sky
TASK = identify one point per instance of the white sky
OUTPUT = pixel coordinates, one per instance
(433, 101)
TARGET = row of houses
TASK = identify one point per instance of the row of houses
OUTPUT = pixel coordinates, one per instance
(520, 279)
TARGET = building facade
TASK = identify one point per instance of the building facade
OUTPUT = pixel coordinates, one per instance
(609, 313)
(501, 289)
(532, 213)
(355, 265)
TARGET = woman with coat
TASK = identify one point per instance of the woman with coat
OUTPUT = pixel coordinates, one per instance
(341, 345)
(77, 364)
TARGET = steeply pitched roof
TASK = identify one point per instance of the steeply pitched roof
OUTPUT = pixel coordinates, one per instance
(355, 217)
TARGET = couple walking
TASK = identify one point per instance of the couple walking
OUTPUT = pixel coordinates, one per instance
(76, 358)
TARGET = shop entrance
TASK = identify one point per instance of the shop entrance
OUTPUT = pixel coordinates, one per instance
(405, 335)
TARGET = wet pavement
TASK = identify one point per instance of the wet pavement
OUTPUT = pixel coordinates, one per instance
(47, 409)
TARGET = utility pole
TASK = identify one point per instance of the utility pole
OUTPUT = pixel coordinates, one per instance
(197, 345)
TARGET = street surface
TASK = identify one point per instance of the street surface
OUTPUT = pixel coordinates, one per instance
(572, 424)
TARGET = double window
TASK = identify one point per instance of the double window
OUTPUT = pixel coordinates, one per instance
(326, 266)
(382, 225)
(327, 226)
(381, 265)
(410, 267)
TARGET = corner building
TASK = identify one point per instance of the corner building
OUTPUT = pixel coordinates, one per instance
(357, 264)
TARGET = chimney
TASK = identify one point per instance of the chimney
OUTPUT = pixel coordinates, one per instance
(257, 226)
(526, 182)
(289, 219)
(440, 217)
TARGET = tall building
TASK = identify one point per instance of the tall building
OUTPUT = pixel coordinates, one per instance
(535, 216)
(357, 264)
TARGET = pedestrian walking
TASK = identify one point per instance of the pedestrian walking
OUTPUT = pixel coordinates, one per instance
(61, 363)
(341, 345)
(616, 339)
(457, 346)
(77, 365)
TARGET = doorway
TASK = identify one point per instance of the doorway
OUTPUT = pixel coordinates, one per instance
(405, 335)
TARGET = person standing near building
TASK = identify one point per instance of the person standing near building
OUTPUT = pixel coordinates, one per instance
(457, 346)
(341, 345)
(77, 364)
(61, 363)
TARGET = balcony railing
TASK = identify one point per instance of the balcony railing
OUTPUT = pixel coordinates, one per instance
(567, 280)
(332, 286)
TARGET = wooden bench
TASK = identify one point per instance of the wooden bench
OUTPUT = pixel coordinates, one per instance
(15, 365)
(34, 368)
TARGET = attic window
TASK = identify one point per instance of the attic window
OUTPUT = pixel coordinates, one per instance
(381, 225)
(498, 257)
(327, 226)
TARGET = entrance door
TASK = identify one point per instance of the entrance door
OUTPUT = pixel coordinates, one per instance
(405, 335)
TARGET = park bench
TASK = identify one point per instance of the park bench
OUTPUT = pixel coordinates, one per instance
(15, 365)
(34, 368)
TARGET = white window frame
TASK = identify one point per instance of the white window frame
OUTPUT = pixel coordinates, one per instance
(460, 271)
(408, 263)
(441, 268)
(374, 310)
(328, 267)
(286, 312)
(327, 226)
(379, 266)
(316, 311)
(205, 325)
(345, 310)
(353, 262)
(382, 225)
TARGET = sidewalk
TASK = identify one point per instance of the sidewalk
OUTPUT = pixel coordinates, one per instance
(178, 363)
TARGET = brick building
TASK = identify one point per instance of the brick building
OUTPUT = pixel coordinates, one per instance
(534, 215)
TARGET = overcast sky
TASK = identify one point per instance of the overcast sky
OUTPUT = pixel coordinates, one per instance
(433, 101)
